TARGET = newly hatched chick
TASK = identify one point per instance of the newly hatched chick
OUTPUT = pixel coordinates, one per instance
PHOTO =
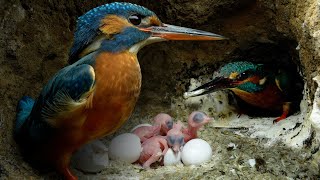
(175, 137)
(195, 121)
(146, 132)
(165, 121)
(152, 150)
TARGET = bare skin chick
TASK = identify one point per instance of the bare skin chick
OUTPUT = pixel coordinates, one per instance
(196, 120)
(146, 132)
(165, 121)
(175, 137)
(153, 150)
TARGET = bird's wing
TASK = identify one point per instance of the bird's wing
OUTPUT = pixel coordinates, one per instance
(63, 101)
(283, 80)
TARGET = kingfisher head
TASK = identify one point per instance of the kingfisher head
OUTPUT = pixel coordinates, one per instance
(122, 26)
(242, 75)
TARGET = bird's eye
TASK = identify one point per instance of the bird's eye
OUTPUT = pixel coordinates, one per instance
(181, 140)
(171, 140)
(243, 76)
(169, 124)
(198, 118)
(135, 19)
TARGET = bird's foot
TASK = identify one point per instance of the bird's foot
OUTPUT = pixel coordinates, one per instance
(240, 112)
(286, 108)
(282, 117)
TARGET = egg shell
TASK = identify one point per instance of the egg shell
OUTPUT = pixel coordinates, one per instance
(125, 147)
(196, 152)
(140, 125)
(252, 162)
(170, 158)
(92, 157)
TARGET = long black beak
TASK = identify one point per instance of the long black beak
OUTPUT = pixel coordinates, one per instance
(171, 32)
(216, 84)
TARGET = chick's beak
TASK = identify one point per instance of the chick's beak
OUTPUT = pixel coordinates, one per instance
(207, 120)
(171, 32)
(176, 148)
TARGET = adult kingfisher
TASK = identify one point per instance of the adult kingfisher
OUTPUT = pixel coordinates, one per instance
(94, 95)
(256, 84)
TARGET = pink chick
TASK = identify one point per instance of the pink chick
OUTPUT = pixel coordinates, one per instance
(146, 132)
(152, 150)
(165, 121)
(175, 137)
(196, 120)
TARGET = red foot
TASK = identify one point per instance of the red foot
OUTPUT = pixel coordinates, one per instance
(282, 117)
(286, 108)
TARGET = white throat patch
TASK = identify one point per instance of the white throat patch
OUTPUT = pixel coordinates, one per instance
(135, 48)
(262, 81)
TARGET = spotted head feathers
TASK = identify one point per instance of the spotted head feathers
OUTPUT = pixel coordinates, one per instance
(87, 29)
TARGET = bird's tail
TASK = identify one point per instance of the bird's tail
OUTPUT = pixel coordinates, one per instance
(24, 108)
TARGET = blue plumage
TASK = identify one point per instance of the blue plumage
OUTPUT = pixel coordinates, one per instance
(251, 87)
(89, 23)
(62, 92)
(24, 108)
(248, 67)
(239, 66)
(67, 86)
(125, 40)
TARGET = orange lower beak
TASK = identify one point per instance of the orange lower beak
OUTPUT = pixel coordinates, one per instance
(171, 32)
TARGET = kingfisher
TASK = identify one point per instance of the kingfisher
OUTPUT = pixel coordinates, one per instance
(94, 95)
(256, 84)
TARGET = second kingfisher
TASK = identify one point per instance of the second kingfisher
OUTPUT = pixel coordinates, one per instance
(257, 85)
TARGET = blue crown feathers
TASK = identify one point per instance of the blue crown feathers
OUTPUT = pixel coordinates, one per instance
(88, 24)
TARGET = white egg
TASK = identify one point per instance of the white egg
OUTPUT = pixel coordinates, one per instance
(140, 125)
(125, 147)
(252, 162)
(170, 158)
(92, 157)
(196, 152)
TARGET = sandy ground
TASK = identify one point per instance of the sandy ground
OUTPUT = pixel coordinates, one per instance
(272, 162)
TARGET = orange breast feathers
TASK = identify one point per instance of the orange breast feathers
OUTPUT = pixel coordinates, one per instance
(270, 98)
(118, 83)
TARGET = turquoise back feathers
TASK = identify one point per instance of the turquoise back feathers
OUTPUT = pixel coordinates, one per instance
(246, 69)
(243, 70)
(239, 67)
